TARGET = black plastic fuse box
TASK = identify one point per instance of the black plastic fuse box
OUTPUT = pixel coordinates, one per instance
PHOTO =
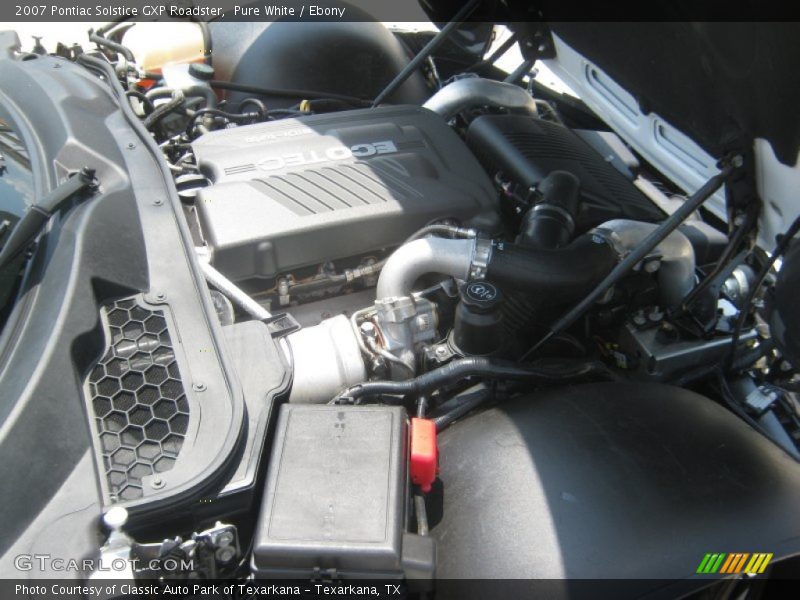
(335, 498)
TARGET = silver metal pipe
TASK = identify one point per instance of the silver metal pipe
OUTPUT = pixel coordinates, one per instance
(234, 292)
(675, 256)
(327, 359)
(476, 91)
(427, 255)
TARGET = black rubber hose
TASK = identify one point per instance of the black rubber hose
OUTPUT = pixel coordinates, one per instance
(147, 104)
(111, 45)
(260, 106)
(465, 405)
(560, 275)
(202, 91)
(551, 223)
(487, 368)
(164, 109)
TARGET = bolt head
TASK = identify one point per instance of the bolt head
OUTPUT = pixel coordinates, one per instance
(225, 538)
(225, 554)
(651, 266)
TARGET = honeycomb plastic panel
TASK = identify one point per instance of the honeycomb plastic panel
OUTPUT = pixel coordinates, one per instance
(138, 399)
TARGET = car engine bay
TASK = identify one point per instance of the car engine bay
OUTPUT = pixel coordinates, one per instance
(474, 332)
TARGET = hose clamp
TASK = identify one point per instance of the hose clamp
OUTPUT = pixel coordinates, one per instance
(556, 212)
(481, 255)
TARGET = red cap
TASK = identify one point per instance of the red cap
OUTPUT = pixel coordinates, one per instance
(424, 453)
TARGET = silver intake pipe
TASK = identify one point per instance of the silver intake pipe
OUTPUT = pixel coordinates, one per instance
(327, 359)
(673, 257)
(476, 91)
(427, 255)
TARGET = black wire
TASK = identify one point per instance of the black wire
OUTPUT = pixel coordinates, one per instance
(751, 218)
(464, 12)
(501, 50)
(780, 248)
(519, 73)
(463, 368)
(467, 403)
(228, 115)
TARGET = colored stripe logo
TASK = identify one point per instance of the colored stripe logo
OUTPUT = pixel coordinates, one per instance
(734, 563)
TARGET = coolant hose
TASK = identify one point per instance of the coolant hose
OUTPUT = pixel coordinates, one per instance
(457, 370)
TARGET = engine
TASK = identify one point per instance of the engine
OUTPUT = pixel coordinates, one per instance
(316, 204)
(457, 268)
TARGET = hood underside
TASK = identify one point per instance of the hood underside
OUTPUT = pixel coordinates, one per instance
(716, 82)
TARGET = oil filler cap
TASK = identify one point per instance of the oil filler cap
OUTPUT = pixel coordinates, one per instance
(481, 296)
(478, 327)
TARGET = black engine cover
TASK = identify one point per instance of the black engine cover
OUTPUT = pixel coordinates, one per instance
(527, 149)
(633, 481)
